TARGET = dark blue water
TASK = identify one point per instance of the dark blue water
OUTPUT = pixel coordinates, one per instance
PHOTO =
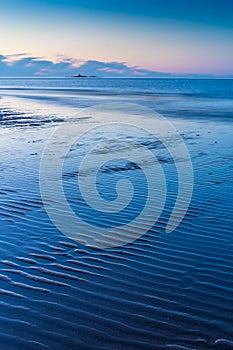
(217, 88)
(183, 98)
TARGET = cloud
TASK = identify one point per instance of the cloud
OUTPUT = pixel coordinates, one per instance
(116, 69)
(20, 65)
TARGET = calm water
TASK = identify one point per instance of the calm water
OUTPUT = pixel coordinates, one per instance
(163, 291)
(174, 97)
(219, 88)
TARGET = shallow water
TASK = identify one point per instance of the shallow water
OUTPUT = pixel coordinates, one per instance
(162, 291)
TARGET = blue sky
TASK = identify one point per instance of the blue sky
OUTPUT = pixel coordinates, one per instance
(179, 37)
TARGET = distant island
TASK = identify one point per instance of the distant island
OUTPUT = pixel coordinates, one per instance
(83, 76)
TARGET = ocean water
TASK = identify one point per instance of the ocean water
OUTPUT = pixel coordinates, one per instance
(220, 88)
(200, 92)
(160, 291)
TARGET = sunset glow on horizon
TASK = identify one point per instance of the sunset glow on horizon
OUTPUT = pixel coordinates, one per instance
(152, 35)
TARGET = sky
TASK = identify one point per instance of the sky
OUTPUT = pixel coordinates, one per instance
(165, 36)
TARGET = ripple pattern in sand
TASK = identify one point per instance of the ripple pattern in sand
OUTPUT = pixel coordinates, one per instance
(160, 292)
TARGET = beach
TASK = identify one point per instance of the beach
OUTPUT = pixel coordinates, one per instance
(161, 291)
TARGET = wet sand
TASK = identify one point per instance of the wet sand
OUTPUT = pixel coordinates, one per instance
(162, 291)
